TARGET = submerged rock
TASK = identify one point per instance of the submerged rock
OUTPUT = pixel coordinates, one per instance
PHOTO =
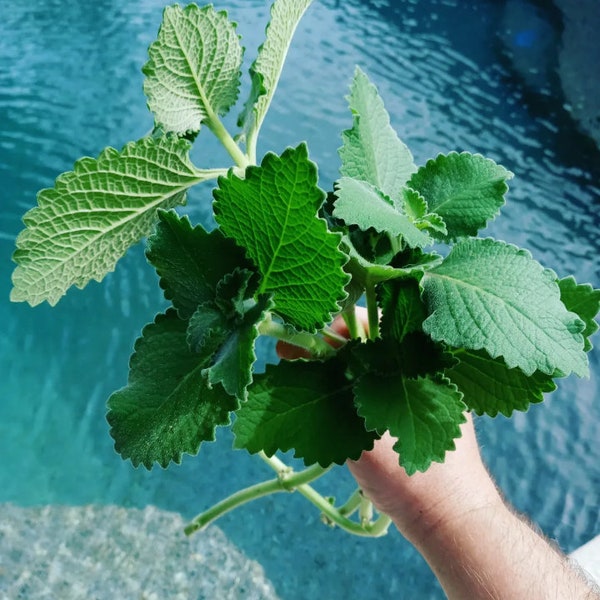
(98, 552)
(554, 48)
(579, 63)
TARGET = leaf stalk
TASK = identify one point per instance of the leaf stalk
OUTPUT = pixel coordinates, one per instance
(311, 342)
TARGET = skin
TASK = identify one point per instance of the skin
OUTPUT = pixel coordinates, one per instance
(456, 517)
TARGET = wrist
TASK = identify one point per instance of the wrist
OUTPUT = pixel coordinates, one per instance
(440, 509)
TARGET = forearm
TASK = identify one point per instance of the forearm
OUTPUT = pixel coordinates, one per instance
(491, 553)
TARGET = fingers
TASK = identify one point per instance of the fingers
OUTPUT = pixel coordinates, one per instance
(290, 352)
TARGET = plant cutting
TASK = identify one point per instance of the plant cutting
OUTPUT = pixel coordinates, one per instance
(456, 322)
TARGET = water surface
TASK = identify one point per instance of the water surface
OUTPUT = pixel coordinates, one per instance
(70, 84)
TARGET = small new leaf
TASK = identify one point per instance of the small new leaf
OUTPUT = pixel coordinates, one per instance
(466, 190)
(167, 407)
(193, 73)
(425, 415)
(272, 213)
(491, 295)
(490, 387)
(372, 151)
(83, 225)
(307, 406)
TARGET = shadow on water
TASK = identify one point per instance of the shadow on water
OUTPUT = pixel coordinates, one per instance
(71, 90)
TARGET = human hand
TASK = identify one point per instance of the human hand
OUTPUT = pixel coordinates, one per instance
(421, 502)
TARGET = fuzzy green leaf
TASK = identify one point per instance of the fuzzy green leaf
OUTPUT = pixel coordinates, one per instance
(490, 387)
(232, 364)
(423, 413)
(83, 225)
(491, 295)
(466, 190)
(307, 406)
(360, 203)
(191, 262)
(167, 407)
(266, 69)
(226, 329)
(403, 311)
(193, 72)
(372, 151)
(415, 207)
(272, 213)
(584, 301)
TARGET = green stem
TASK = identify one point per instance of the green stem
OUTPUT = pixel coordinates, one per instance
(330, 513)
(315, 344)
(352, 504)
(372, 309)
(286, 481)
(216, 126)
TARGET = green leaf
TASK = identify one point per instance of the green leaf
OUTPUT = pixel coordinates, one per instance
(490, 387)
(372, 151)
(584, 301)
(232, 364)
(225, 330)
(83, 225)
(466, 190)
(272, 213)
(307, 406)
(416, 356)
(491, 295)
(191, 262)
(167, 407)
(193, 73)
(403, 311)
(424, 414)
(415, 207)
(266, 69)
(361, 268)
(360, 203)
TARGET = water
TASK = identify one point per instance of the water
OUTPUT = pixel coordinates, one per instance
(70, 84)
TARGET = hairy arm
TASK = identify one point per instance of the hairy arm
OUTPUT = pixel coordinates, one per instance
(474, 543)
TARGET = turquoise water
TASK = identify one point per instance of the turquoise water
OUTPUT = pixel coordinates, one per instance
(70, 84)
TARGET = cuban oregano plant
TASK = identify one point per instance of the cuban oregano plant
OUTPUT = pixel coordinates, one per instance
(456, 322)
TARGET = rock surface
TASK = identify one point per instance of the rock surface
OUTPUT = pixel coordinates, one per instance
(579, 62)
(108, 552)
(555, 50)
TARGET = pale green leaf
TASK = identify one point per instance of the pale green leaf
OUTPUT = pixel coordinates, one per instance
(93, 214)
(266, 69)
(490, 387)
(360, 203)
(193, 73)
(584, 301)
(272, 213)
(425, 415)
(466, 190)
(371, 150)
(305, 406)
(167, 407)
(493, 296)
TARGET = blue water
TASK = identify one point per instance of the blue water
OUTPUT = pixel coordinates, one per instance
(70, 84)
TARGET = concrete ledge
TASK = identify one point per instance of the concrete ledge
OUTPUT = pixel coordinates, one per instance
(588, 558)
(108, 552)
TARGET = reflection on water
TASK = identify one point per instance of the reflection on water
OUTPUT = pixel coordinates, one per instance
(72, 84)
